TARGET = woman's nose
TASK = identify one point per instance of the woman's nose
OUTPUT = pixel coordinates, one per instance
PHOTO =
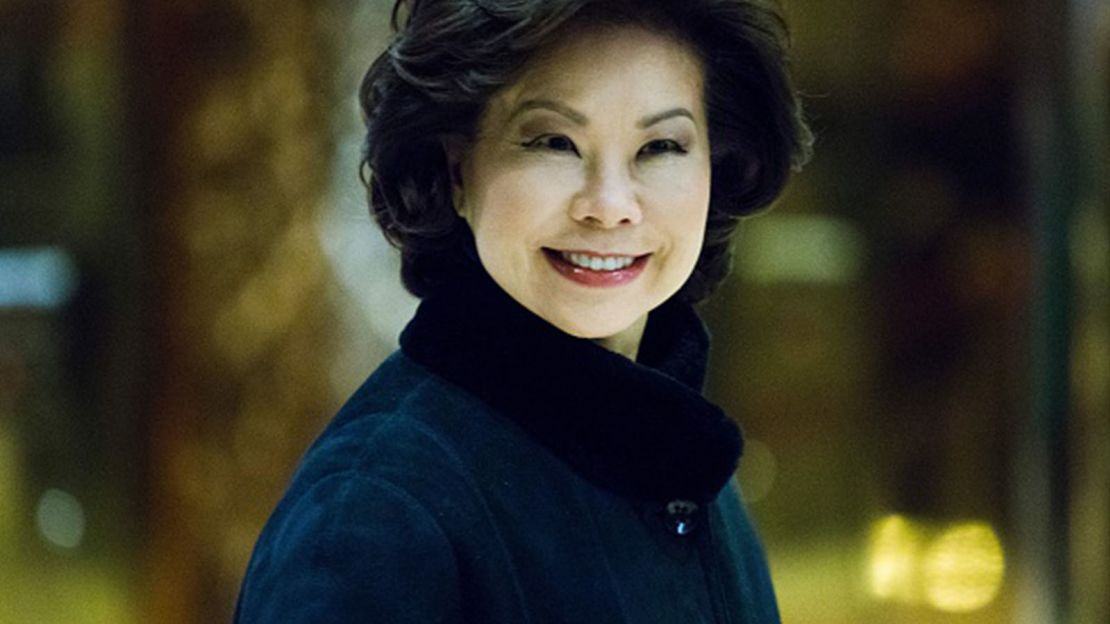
(608, 199)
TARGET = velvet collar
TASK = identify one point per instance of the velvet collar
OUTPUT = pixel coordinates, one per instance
(640, 429)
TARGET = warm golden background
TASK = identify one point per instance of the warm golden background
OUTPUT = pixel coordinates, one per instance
(917, 339)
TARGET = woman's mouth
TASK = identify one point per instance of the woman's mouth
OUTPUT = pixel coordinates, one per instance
(596, 269)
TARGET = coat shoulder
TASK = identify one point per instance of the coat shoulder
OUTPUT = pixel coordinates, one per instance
(331, 557)
(402, 416)
(356, 509)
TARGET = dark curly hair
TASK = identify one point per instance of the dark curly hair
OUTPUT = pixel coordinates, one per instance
(449, 56)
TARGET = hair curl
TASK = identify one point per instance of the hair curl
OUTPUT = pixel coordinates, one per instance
(448, 57)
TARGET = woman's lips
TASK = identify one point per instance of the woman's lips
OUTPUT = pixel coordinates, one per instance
(600, 278)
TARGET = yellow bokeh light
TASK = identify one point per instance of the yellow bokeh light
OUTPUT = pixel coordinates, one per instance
(895, 548)
(957, 568)
(963, 568)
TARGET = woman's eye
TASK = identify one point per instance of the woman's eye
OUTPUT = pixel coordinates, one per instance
(556, 142)
(660, 146)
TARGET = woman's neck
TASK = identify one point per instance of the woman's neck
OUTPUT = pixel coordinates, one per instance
(626, 342)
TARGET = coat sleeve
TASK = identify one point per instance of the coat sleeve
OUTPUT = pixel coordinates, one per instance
(351, 549)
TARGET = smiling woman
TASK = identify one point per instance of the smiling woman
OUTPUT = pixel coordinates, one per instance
(613, 178)
(562, 179)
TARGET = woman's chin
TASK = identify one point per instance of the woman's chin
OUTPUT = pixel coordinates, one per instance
(595, 329)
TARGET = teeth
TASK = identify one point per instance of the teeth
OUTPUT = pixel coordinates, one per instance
(595, 263)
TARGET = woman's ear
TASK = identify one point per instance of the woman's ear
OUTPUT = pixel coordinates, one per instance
(454, 149)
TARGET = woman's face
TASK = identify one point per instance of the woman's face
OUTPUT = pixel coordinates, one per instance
(587, 187)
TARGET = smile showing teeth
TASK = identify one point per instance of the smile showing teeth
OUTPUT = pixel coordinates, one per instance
(595, 263)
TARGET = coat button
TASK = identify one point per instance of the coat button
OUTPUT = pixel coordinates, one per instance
(680, 517)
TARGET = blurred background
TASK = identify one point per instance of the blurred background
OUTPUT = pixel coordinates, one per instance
(916, 339)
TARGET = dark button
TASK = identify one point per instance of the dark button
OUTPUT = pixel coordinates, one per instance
(680, 517)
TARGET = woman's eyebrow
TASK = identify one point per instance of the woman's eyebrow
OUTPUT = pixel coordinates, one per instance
(651, 120)
(581, 120)
(551, 105)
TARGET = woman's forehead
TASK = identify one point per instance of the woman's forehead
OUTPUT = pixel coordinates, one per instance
(627, 62)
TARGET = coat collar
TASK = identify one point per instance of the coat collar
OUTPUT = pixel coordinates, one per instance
(640, 429)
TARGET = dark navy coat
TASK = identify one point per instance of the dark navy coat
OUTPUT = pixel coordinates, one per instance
(496, 470)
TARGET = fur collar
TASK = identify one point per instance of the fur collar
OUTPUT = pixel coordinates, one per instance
(640, 429)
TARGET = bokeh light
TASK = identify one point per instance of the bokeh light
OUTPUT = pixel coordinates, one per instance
(758, 469)
(963, 568)
(36, 277)
(801, 248)
(60, 519)
(956, 568)
(895, 548)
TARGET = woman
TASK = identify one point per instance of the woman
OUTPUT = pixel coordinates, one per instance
(562, 178)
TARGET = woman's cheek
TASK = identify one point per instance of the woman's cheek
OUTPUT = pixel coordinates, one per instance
(688, 189)
(548, 183)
